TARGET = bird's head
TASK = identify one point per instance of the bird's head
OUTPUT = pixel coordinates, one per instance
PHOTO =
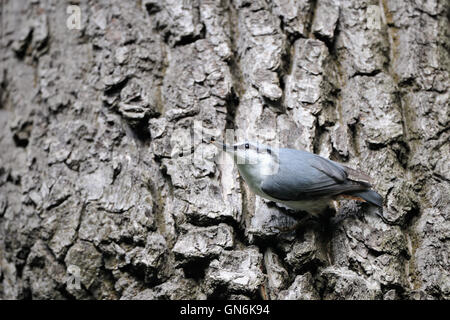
(249, 154)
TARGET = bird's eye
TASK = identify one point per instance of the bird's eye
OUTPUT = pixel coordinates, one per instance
(235, 148)
(269, 151)
(247, 146)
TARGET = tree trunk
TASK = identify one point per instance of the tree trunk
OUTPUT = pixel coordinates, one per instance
(102, 198)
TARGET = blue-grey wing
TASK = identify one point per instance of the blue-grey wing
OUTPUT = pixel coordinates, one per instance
(329, 168)
(304, 175)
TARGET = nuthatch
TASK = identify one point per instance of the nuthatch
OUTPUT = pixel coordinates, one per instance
(298, 179)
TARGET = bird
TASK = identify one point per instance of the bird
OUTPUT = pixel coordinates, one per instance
(298, 179)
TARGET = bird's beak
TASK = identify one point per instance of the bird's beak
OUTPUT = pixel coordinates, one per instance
(208, 137)
(220, 145)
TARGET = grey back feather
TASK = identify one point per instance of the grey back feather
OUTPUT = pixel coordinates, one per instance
(303, 175)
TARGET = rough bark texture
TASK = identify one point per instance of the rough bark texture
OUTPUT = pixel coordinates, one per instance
(91, 172)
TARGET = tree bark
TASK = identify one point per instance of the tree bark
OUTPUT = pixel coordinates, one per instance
(101, 199)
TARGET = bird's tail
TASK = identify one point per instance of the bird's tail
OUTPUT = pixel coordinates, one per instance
(371, 197)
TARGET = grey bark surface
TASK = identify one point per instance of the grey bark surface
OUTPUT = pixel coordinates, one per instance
(91, 173)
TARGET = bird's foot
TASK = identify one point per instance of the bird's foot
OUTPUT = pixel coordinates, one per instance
(287, 229)
(295, 226)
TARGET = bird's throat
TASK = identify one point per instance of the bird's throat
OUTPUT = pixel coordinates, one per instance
(252, 176)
